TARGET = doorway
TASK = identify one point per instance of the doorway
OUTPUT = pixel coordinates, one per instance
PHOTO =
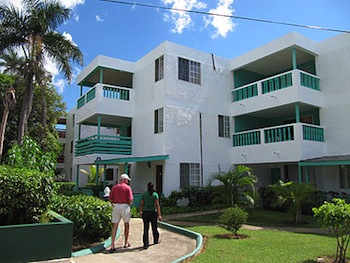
(159, 179)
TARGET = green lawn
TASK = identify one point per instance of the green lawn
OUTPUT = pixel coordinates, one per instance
(262, 246)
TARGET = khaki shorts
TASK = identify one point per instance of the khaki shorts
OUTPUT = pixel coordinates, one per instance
(121, 211)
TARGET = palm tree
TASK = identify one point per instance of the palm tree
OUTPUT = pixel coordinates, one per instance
(238, 185)
(91, 174)
(33, 30)
(294, 195)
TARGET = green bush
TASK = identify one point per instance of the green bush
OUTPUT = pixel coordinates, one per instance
(232, 219)
(91, 216)
(24, 195)
(335, 216)
(66, 188)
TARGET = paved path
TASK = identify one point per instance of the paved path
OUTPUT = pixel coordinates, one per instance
(173, 246)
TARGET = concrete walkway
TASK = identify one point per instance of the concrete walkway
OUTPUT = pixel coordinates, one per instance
(174, 247)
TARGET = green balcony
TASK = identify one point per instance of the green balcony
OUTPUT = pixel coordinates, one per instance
(104, 144)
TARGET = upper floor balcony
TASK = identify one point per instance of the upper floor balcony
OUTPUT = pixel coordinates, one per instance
(295, 86)
(103, 144)
(283, 143)
(105, 99)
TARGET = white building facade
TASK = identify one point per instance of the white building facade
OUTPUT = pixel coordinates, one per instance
(178, 115)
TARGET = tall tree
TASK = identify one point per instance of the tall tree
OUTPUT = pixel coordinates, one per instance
(33, 29)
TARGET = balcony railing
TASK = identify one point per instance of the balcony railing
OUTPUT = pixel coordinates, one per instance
(278, 134)
(281, 81)
(103, 144)
(109, 92)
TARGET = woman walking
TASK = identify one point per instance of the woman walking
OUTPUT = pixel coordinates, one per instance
(150, 211)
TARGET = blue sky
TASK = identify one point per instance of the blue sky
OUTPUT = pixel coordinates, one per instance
(129, 32)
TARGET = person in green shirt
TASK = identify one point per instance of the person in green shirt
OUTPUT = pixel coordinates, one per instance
(150, 211)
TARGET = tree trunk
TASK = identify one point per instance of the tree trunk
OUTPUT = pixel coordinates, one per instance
(26, 109)
(2, 131)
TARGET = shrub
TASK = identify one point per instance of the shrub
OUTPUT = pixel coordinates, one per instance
(232, 219)
(66, 188)
(24, 195)
(335, 215)
(91, 216)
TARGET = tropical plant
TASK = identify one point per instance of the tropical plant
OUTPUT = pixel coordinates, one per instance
(92, 175)
(232, 219)
(30, 155)
(335, 216)
(238, 186)
(294, 195)
(33, 29)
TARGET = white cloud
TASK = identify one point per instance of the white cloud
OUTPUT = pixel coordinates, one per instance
(222, 24)
(98, 18)
(181, 19)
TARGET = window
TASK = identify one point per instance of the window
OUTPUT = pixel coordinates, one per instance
(189, 174)
(345, 176)
(189, 71)
(158, 120)
(224, 126)
(109, 174)
(159, 68)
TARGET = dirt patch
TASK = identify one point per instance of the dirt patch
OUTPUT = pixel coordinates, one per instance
(329, 259)
(231, 236)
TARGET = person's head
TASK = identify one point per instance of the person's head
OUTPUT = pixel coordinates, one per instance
(150, 187)
(125, 178)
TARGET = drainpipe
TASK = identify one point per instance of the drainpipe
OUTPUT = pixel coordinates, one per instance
(126, 168)
(81, 90)
(201, 146)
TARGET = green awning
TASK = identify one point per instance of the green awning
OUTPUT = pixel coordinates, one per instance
(327, 160)
(133, 159)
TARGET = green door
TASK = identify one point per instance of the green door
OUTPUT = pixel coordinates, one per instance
(275, 175)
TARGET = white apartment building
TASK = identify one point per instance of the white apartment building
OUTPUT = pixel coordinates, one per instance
(178, 115)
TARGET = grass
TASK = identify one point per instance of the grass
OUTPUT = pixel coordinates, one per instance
(263, 245)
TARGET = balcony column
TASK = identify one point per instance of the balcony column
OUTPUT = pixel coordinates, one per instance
(297, 113)
(77, 180)
(299, 173)
(98, 126)
(101, 75)
(126, 168)
(294, 57)
(104, 175)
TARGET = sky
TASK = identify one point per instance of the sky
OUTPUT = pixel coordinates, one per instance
(129, 32)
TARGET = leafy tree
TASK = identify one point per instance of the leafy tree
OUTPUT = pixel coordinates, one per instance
(33, 29)
(335, 216)
(42, 127)
(232, 219)
(30, 155)
(238, 185)
(294, 196)
(91, 174)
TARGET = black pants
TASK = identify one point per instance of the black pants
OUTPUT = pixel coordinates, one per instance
(150, 217)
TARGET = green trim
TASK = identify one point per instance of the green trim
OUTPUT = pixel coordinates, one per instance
(104, 245)
(133, 159)
(188, 233)
(325, 163)
(81, 83)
